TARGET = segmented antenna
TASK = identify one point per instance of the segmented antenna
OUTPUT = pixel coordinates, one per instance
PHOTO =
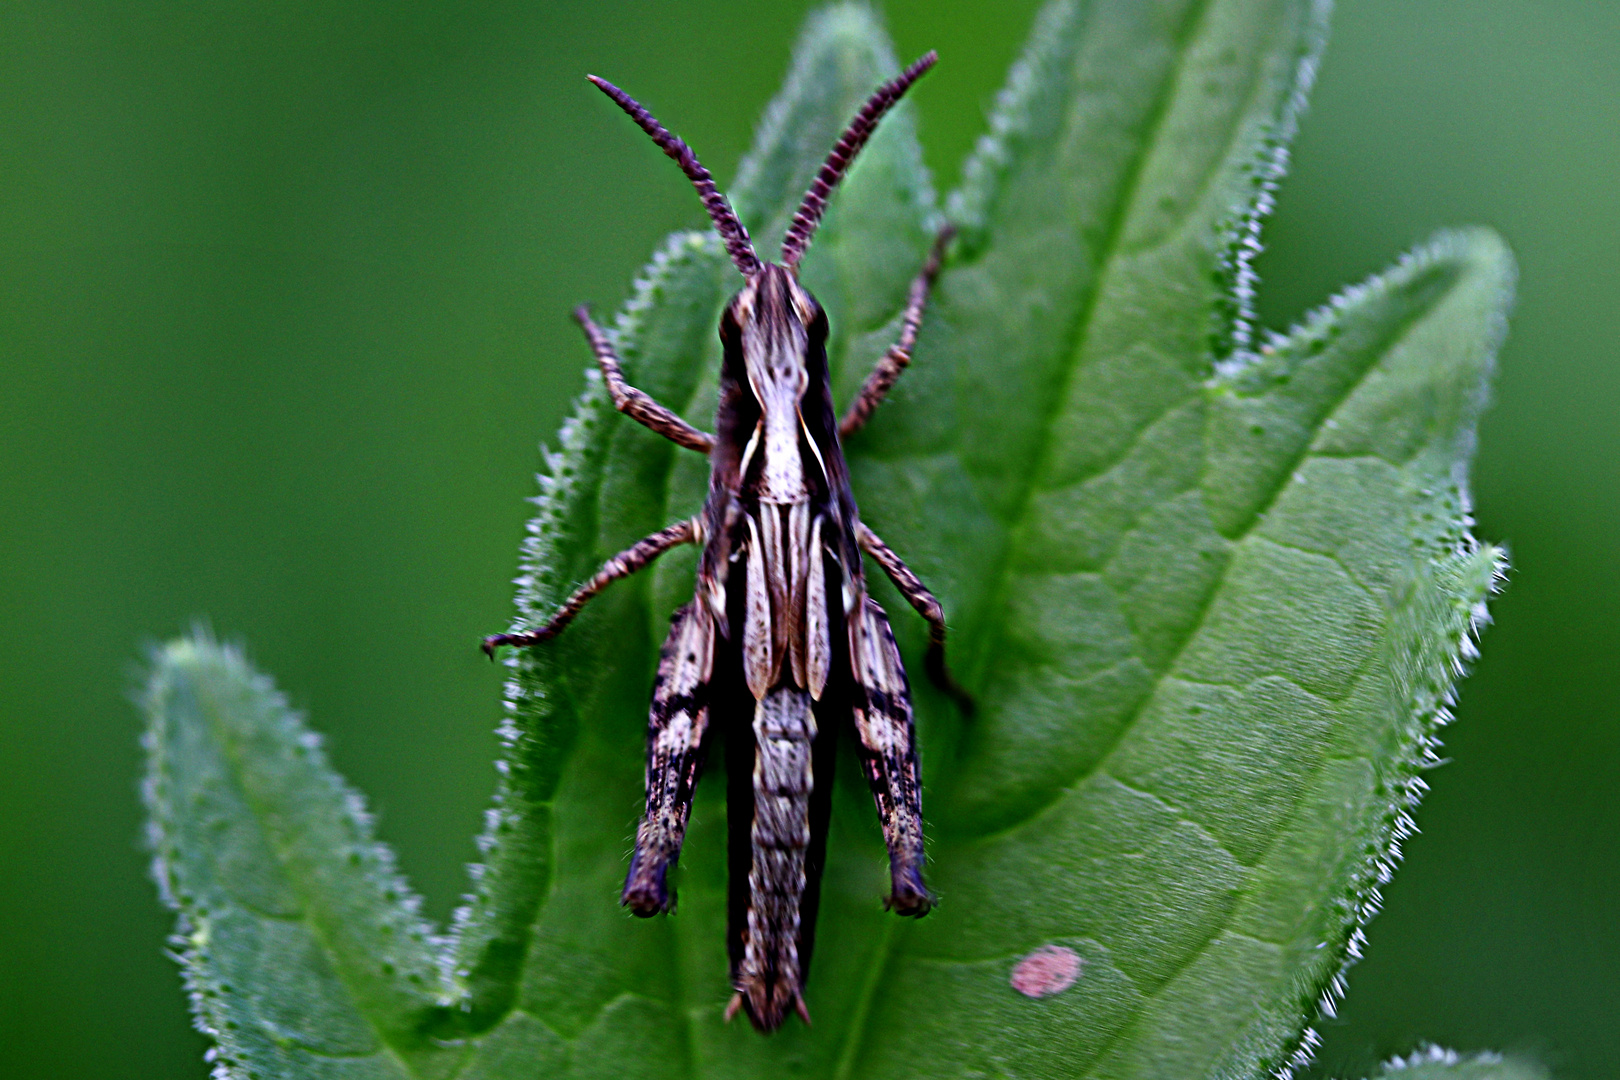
(725, 219)
(849, 144)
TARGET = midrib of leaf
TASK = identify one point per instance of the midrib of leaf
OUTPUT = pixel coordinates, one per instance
(307, 901)
(1076, 337)
(1079, 328)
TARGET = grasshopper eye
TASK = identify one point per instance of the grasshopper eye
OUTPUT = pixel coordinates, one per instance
(817, 322)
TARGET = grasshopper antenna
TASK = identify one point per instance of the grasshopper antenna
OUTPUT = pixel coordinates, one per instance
(725, 220)
(843, 153)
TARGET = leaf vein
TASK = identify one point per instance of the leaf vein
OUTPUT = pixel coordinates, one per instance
(1285, 477)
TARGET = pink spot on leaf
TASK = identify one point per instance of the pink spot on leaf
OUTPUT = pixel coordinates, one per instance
(1050, 969)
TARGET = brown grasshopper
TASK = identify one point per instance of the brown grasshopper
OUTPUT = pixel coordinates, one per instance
(781, 646)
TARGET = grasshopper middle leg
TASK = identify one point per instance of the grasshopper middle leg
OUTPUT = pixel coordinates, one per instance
(633, 558)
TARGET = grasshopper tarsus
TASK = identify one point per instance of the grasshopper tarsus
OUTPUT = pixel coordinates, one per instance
(519, 641)
(646, 887)
(940, 675)
(645, 906)
(910, 897)
(910, 907)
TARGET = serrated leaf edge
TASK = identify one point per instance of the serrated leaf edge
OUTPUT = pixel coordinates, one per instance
(541, 584)
(1425, 720)
(190, 941)
(1240, 235)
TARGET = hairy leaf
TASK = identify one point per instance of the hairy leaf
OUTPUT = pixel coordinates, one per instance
(1437, 1064)
(1211, 593)
(301, 945)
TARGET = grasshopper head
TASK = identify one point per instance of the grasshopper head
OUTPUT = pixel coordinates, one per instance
(778, 324)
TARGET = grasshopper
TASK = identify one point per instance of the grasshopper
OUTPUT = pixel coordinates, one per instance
(781, 646)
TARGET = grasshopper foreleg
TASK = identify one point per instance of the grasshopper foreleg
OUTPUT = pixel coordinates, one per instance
(635, 404)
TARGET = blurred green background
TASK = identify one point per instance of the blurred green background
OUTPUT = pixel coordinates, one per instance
(283, 295)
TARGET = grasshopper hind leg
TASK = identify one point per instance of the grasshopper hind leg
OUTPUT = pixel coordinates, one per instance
(888, 752)
(676, 725)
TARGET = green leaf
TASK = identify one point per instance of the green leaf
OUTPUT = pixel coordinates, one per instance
(1434, 1063)
(300, 943)
(1211, 594)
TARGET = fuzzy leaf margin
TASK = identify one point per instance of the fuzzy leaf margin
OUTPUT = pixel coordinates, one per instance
(1436, 1063)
